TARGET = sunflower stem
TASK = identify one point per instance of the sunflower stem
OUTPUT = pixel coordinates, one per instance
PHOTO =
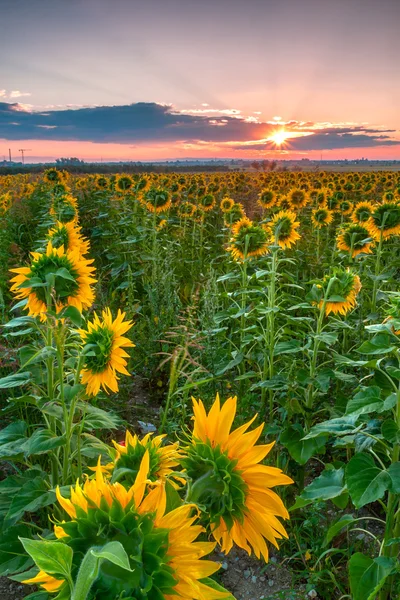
(377, 272)
(268, 369)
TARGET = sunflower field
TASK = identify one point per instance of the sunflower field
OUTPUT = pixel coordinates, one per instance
(198, 365)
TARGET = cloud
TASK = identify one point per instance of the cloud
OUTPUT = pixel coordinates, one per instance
(142, 123)
(17, 94)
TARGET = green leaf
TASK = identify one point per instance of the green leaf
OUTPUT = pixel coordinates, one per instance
(368, 575)
(394, 472)
(300, 449)
(15, 380)
(19, 322)
(42, 441)
(33, 495)
(55, 558)
(233, 363)
(73, 315)
(393, 372)
(366, 401)
(380, 344)
(328, 485)
(334, 529)
(339, 426)
(365, 481)
(64, 274)
(289, 347)
(115, 553)
(96, 418)
(327, 338)
(13, 432)
(342, 500)
(391, 431)
(13, 558)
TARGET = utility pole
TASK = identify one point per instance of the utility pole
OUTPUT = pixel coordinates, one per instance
(22, 150)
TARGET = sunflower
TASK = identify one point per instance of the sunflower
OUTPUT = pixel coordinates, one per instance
(65, 208)
(207, 202)
(393, 313)
(384, 221)
(72, 276)
(53, 175)
(362, 212)
(106, 357)
(102, 182)
(226, 204)
(321, 217)
(355, 239)
(283, 228)
(297, 199)
(319, 197)
(332, 202)
(46, 581)
(344, 287)
(235, 214)
(5, 202)
(249, 240)
(128, 455)
(157, 200)
(187, 210)
(345, 206)
(123, 183)
(68, 235)
(267, 199)
(161, 545)
(230, 486)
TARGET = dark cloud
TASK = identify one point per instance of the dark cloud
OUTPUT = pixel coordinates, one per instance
(152, 122)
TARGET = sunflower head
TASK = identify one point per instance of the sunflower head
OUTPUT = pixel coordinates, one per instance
(362, 212)
(68, 235)
(128, 457)
(321, 217)
(104, 352)
(65, 276)
(47, 582)
(385, 220)
(249, 240)
(157, 200)
(393, 313)
(340, 290)
(5, 202)
(235, 214)
(283, 228)
(102, 182)
(355, 239)
(64, 208)
(297, 199)
(226, 204)
(332, 202)
(123, 183)
(207, 202)
(228, 483)
(345, 206)
(166, 561)
(53, 175)
(267, 199)
(187, 209)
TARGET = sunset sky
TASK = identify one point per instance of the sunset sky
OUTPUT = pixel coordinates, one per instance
(159, 79)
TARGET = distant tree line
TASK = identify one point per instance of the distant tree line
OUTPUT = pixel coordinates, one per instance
(78, 167)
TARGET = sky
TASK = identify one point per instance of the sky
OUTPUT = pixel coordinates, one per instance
(170, 79)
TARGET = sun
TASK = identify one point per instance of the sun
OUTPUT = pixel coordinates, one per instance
(279, 137)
